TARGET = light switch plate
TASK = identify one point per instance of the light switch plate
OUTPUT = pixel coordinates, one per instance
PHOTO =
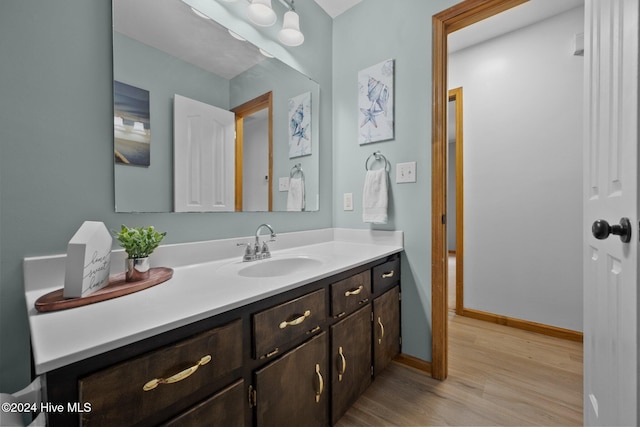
(405, 172)
(283, 184)
(348, 201)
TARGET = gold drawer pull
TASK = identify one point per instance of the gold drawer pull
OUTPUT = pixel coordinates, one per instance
(381, 331)
(387, 275)
(177, 377)
(354, 291)
(296, 320)
(320, 387)
(343, 364)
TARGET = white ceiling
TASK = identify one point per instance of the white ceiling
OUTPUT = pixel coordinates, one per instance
(518, 17)
(336, 7)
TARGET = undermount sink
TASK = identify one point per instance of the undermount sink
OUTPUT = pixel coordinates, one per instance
(273, 267)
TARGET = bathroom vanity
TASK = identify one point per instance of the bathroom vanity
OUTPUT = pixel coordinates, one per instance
(293, 340)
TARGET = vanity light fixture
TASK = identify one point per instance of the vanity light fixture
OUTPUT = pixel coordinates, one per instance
(237, 36)
(261, 13)
(200, 14)
(265, 53)
(290, 33)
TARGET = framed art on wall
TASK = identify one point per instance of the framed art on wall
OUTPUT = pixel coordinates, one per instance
(300, 125)
(375, 103)
(132, 130)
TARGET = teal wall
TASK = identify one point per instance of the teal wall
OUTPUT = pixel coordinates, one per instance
(377, 31)
(56, 145)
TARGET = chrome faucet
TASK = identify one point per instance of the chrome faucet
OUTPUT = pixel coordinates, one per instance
(256, 252)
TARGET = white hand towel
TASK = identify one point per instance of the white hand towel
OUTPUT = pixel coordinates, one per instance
(295, 199)
(375, 197)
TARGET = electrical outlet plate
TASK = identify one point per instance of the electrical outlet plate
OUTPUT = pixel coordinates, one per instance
(405, 172)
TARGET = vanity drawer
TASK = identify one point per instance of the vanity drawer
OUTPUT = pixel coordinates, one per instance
(350, 293)
(175, 376)
(283, 323)
(386, 275)
(224, 409)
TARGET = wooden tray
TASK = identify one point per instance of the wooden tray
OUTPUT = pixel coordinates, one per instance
(117, 287)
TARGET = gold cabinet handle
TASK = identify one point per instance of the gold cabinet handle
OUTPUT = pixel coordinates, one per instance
(177, 377)
(388, 274)
(343, 364)
(299, 318)
(381, 331)
(354, 291)
(320, 387)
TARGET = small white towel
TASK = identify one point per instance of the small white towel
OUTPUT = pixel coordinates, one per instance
(295, 199)
(375, 197)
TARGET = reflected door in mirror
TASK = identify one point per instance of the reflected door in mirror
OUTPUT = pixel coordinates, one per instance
(204, 144)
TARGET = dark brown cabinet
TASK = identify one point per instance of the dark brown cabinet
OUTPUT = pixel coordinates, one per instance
(283, 323)
(136, 390)
(224, 409)
(292, 390)
(350, 360)
(386, 327)
(301, 357)
(350, 293)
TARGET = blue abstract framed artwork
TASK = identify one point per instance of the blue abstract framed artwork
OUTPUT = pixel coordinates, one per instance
(131, 125)
(300, 125)
(375, 103)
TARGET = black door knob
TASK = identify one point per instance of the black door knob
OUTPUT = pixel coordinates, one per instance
(601, 229)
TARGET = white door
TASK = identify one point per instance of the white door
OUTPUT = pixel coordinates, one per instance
(203, 157)
(611, 192)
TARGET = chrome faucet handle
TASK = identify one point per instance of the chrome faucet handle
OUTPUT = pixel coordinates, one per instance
(265, 249)
(249, 252)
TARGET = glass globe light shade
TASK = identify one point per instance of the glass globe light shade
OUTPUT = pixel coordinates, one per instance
(290, 34)
(261, 13)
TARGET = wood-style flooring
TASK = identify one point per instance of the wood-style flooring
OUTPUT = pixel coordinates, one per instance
(497, 376)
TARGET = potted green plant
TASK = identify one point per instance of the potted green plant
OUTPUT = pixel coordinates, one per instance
(138, 243)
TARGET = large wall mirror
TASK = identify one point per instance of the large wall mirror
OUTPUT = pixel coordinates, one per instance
(174, 71)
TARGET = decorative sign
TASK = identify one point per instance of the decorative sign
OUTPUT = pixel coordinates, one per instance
(300, 125)
(88, 260)
(375, 103)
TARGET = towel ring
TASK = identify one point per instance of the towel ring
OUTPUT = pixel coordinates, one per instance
(297, 168)
(377, 157)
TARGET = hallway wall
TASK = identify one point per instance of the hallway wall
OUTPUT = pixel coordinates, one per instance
(523, 172)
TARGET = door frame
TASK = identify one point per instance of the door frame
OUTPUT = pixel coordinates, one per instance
(248, 108)
(452, 19)
(456, 95)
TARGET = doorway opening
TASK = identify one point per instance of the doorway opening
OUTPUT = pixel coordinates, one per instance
(254, 154)
(505, 196)
(457, 17)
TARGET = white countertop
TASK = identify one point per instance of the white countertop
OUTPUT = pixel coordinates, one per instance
(204, 283)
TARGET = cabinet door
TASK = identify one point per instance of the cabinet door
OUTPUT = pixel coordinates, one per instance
(386, 327)
(291, 391)
(224, 409)
(350, 360)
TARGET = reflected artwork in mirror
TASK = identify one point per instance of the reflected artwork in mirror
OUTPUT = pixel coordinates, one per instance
(164, 47)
